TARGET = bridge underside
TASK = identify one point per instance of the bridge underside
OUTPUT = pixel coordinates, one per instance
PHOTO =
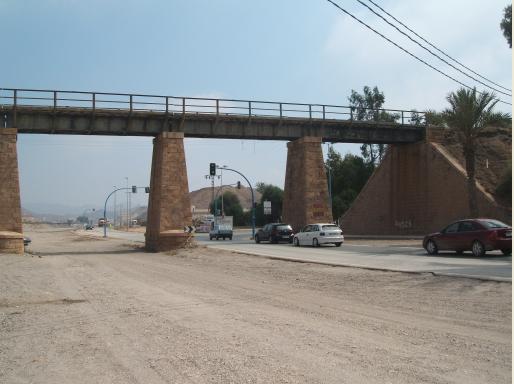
(84, 121)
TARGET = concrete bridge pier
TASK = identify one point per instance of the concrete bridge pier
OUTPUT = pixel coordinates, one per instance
(169, 205)
(11, 231)
(306, 198)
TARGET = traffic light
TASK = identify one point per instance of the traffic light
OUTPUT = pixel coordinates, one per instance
(147, 189)
(134, 189)
(212, 169)
(238, 185)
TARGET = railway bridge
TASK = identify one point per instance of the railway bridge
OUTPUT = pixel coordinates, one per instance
(169, 119)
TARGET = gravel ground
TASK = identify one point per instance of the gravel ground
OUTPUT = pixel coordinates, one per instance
(89, 310)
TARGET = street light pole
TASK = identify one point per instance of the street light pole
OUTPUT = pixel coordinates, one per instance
(114, 211)
(253, 197)
(114, 192)
(126, 178)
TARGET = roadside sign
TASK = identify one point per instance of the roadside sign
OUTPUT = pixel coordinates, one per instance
(267, 207)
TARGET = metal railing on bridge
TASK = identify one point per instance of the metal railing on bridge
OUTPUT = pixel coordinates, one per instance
(175, 105)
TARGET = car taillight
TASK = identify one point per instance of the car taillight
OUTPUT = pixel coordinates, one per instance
(322, 233)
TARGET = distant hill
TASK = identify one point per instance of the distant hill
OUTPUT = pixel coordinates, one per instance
(493, 157)
(201, 198)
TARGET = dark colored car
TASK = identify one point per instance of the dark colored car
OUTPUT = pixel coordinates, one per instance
(475, 235)
(275, 233)
(88, 227)
(26, 241)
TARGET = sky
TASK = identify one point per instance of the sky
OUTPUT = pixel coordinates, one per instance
(304, 51)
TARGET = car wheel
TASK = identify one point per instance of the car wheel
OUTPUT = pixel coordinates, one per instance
(257, 240)
(230, 237)
(338, 244)
(296, 242)
(478, 249)
(315, 242)
(506, 252)
(210, 238)
(431, 247)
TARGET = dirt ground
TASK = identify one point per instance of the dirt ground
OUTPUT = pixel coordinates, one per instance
(86, 310)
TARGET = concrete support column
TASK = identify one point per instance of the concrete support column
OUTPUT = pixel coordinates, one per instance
(169, 205)
(306, 189)
(11, 232)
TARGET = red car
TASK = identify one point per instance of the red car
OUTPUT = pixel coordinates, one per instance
(475, 235)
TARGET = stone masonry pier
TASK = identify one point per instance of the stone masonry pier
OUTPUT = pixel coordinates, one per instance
(11, 231)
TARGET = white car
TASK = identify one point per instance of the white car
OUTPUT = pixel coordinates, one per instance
(317, 234)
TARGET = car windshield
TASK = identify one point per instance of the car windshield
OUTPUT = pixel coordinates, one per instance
(330, 227)
(283, 227)
(493, 224)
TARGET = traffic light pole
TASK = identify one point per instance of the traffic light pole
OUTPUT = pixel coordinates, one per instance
(253, 198)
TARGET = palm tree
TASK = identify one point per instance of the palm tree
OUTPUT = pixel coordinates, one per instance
(469, 113)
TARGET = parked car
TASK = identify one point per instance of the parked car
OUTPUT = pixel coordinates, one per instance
(475, 235)
(318, 234)
(88, 227)
(275, 233)
(26, 241)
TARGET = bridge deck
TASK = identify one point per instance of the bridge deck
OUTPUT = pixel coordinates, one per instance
(203, 118)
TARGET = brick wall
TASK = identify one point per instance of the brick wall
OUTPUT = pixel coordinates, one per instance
(417, 189)
(305, 189)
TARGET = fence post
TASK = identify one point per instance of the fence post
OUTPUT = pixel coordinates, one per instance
(55, 100)
(310, 112)
(184, 106)
(323, 112)
(167, 104)
(15, 103)
(217, 107)
(94, 102)
(402, 118)
(130, 103)
(249, 109)
(280, 110)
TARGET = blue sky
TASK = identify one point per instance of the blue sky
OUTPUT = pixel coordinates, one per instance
(299, 51)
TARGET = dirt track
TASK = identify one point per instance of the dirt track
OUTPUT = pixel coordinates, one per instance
(96, 311)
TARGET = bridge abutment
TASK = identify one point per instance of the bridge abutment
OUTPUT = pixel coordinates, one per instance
(306, 189)
(169, 205)
(11, 231)
(417, 189)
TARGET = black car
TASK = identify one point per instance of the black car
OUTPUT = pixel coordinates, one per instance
(274, 233)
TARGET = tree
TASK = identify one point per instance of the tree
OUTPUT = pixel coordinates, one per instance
(271, 193)
(231, 207)
(367, 107)
(349, 175)
(83, 219)
(469, 113)
(506, 24)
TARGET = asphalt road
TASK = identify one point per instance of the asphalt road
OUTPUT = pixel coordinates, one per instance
(392, 255)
